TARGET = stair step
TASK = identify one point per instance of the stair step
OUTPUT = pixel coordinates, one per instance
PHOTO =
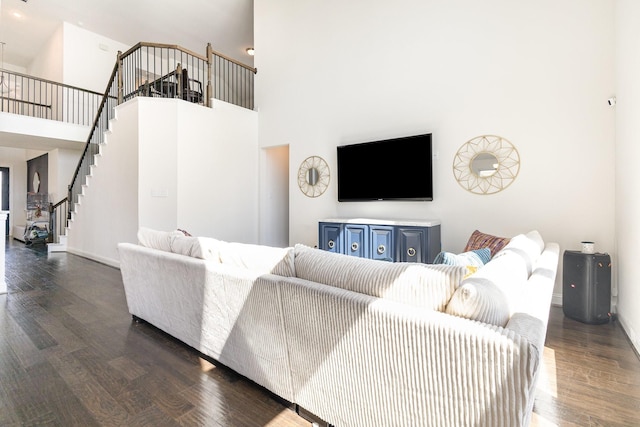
(56, 247)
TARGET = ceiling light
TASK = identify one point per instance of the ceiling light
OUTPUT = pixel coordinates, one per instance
(4, 85)
(17, 15)
(250, 51)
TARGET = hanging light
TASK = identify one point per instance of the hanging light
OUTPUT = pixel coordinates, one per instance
(4, 85)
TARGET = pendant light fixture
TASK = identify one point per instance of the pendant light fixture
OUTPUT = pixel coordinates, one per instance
(4, 84)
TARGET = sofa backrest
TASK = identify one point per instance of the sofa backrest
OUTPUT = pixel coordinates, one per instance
(422, 285)
(492, 294)
(257, 258)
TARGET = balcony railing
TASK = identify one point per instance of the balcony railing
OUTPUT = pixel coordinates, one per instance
(34, 97)
(169, 71)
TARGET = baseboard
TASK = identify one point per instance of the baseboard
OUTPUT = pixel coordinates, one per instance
(556, 299)
(102, 260)
(631, 334)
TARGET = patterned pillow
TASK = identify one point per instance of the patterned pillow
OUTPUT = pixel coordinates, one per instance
(479, 240)
(476, 258)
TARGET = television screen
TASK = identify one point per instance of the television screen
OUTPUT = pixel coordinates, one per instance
(392, 169)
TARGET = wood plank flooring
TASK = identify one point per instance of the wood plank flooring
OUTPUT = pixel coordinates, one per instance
(70, 355)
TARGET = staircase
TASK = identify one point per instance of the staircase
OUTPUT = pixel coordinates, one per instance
(151, 70)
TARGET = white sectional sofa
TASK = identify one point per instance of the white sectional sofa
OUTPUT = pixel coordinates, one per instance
(356, 342)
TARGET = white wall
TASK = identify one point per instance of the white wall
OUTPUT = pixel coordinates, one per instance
(536, 73)
(77, 57)
(218, 171)
(108, 212)
(274, 196)
(88, 58)
(627, 171)
(46, 134)
(48, 62)
(169, 164)
(15, 160)
(62, 166)
(157, 165)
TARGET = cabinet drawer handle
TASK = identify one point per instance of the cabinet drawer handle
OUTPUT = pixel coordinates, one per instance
(411, 252)
(331, 244)
(354, 246)
(381, 249)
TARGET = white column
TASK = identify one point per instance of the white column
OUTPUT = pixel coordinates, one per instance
(3, 220)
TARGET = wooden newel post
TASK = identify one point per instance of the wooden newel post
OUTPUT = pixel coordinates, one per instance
(120, 88)
(209, 75)
(179, 88)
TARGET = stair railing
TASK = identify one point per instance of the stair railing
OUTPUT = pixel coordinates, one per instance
(168, 71)
(58, 216)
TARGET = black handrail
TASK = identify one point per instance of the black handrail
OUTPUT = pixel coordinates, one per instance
(57, 222)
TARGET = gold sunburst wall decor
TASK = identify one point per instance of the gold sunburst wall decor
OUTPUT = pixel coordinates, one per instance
(313, 176)
(486, 164)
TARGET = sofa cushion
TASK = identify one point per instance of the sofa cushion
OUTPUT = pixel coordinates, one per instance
(492, 293)
(259, 258)
(422, 285)
(529, 246)
(475, 258)
(479, 240)
(197, 247)
(156, 239)
(480, 300)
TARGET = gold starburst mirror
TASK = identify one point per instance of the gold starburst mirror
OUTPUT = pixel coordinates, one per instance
(313, 176)
(486, 164)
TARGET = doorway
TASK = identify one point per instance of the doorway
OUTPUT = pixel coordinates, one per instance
(274, 196)
(4, 195)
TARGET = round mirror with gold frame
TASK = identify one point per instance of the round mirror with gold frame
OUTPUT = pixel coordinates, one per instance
(313, 176)
(486, 164)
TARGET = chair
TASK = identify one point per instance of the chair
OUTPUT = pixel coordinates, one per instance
(191, 89)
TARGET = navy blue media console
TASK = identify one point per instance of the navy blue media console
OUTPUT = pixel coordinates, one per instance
(386, 240)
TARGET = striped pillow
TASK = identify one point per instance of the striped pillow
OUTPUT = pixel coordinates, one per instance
(475, 258)
(479, 240)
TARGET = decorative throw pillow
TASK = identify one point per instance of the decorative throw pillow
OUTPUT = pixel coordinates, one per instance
(155, 239)
(197, 247)
(479, 240)
(528, 246)
(481, 300)
(476, 258)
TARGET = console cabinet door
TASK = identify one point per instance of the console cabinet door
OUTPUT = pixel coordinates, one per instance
(330, 237)
(356, 240)
(382, 243)
(411, 245)
(395, 243)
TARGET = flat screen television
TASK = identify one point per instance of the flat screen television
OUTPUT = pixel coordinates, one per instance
(391, 169)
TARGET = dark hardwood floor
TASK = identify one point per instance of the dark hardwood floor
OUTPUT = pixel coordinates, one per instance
(70, 355)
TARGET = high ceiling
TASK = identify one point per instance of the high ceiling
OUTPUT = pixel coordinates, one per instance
(226, 24)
